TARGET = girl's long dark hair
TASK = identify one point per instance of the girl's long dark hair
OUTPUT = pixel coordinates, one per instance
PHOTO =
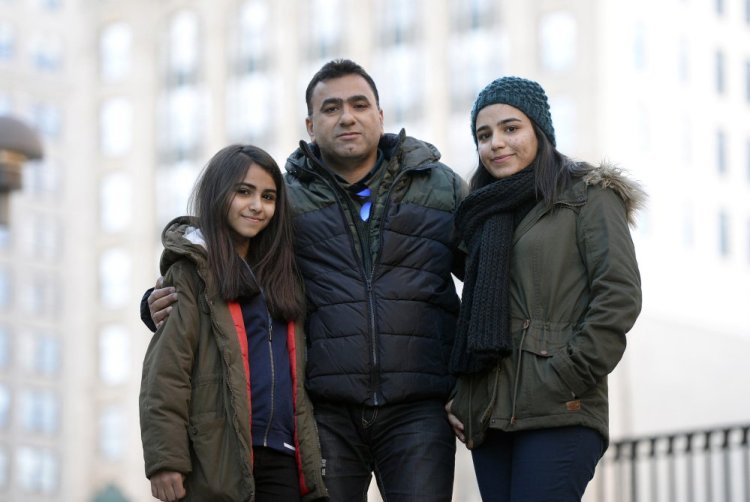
(272, 266)
(553, 170)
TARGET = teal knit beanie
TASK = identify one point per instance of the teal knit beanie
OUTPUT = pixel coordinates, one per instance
(526, 95)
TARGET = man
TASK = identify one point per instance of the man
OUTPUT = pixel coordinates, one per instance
(376, 248)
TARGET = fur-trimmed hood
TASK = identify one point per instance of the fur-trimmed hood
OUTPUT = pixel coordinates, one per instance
(610, 176)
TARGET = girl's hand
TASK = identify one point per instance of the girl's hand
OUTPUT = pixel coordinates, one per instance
(168, 486)
(458, 426)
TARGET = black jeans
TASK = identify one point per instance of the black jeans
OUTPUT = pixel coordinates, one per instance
(409, 446)
(275, 475)
(537, 465)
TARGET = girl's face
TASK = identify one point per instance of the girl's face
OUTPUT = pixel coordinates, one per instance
(506, 141)
(252, 206)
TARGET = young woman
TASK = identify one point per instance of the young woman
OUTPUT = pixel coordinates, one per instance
(224, 414)
(551, 289)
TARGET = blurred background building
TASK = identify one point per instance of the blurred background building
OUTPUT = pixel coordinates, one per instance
(132, 98)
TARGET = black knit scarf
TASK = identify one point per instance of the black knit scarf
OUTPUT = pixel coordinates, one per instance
(485, 221)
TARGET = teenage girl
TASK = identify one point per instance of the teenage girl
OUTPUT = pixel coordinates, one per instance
(224, 414)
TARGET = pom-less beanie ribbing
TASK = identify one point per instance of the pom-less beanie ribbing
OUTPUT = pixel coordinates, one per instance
(526, 95)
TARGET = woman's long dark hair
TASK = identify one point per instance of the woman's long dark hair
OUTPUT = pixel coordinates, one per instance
(270, 254)
(553, 170)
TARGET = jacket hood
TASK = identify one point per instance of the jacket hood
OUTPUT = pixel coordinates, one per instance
(182, 239)
(612, 177)
(413, 153)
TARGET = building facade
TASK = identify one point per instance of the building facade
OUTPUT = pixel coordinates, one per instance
(132, 98)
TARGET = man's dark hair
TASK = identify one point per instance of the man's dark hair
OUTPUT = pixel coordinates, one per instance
(336, 69)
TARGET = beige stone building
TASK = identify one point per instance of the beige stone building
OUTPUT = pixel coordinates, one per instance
(133, 97)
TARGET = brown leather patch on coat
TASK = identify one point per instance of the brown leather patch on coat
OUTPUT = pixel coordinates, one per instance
(573, 405)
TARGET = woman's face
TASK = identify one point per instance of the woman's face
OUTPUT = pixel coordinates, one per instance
(506, 141)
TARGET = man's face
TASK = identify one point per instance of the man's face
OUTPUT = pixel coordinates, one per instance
(346, 124)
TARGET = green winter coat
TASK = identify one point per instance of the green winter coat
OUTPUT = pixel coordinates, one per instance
(194, 400)
(575, 293)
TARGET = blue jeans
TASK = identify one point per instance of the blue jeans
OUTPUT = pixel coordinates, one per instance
(552, 465)
(409, 446)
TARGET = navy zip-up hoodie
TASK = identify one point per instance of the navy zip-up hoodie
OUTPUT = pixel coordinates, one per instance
(270, 377)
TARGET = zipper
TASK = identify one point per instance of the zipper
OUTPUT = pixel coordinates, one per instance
(374, 375)
(526, 324)
(369, 262)
(273, 379)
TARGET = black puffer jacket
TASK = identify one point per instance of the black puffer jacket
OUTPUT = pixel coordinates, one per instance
(382, 321)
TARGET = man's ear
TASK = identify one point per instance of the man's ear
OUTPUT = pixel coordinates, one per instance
(309, 126)
(382, 122)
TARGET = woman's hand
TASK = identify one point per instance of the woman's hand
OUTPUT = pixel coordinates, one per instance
(168, 486)
(456, 424)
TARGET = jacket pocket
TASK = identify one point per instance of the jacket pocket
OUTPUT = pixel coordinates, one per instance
(215, 475)
(541, 390)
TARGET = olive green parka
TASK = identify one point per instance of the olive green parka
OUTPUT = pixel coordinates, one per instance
(575, 293)
(195, 389)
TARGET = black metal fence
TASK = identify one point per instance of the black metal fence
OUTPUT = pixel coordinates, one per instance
(696, 466)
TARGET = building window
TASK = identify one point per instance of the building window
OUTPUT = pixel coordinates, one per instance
(254, 38)
(42, 177)
(720, 72)
(115, 127)
(250, 108)
(5, 347)
(112, 433)
(115, 202)
(724, 244)
(639, 47)
(683, 61)
(40, 353)
(40, 295)
(40, 411)
(184, 112)
(47, 52)
(719, 5)
(174, 183)
(183, 49)
(476, 58)
(396, 22)
(471, 14)
(323, 22)
(688, 226)
(564, 116)
(747, 11)
(4, 406)
(6, 288)
(182, 106)
(114, 354)
(721, 151)
(51, 4)
(396, 65)
(47, 119)
(7, 42)
(4, 468)
(38, 470)
(43, 237)
(558, 33)
(5, 103)
(114, 278)
(115, 44)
